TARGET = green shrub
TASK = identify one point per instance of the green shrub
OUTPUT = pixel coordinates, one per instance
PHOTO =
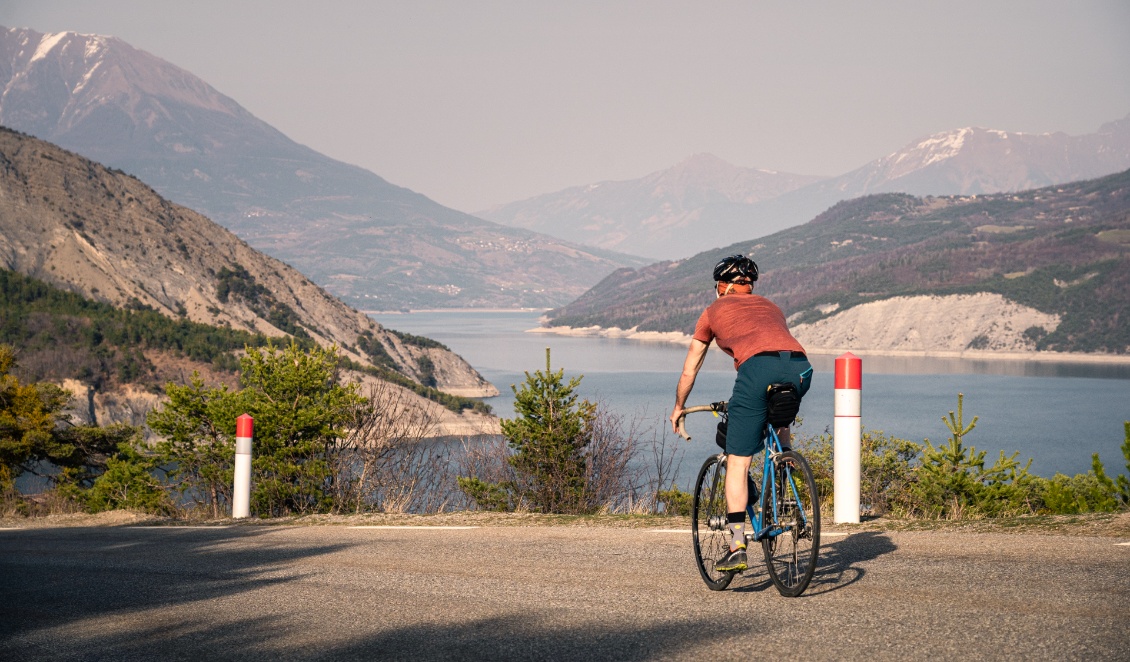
(952, 481)
(128, 482)
(487, 496)
(1081, 493)
(1093, 491)
(887, 471)
(300, 409)
(548, 440)
(675, 501)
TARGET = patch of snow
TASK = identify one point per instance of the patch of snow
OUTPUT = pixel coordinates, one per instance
(48, 42)
(94, 45)
(86, 78)
(943, 145)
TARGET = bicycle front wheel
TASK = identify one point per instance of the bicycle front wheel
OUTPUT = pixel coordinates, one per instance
(795, 514)
(708, 523)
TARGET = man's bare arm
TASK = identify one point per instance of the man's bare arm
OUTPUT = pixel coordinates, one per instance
(696, 354)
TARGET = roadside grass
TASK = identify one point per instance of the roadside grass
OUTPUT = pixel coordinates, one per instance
(1113, 525)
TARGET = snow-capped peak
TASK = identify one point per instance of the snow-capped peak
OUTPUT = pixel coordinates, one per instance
(941, 146)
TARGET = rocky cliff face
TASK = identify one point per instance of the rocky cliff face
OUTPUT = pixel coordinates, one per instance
(953, 323)
(109, 237)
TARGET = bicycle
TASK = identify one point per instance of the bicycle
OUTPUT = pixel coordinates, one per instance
(786, 521)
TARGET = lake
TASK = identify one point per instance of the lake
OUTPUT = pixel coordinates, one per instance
(1056, 413)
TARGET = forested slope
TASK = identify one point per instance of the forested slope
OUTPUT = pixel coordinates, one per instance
(1062, 250)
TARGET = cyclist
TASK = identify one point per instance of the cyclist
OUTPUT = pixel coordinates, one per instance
(752, 330)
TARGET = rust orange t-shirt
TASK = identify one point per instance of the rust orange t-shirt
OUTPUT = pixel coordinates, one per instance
(745, 325)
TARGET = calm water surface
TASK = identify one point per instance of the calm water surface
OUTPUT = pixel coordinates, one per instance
(1056, 413)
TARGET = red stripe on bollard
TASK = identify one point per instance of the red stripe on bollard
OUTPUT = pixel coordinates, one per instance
(244, 425)
(241, 485)
(849, 371)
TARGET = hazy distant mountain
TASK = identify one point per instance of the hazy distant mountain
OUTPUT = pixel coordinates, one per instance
(375, 244)
(657, 215)
(970, 161)
(703, 202)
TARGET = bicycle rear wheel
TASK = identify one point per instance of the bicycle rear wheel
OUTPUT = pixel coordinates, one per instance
(791, 554)
(708, 523)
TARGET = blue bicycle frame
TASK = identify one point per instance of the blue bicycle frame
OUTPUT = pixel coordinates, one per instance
(769, 487)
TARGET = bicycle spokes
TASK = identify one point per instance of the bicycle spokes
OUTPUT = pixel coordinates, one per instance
(791, 552)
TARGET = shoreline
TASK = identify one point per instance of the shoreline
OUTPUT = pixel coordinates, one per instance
(677, 337)
(453, 310)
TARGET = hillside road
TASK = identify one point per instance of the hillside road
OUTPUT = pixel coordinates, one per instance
(547, 592)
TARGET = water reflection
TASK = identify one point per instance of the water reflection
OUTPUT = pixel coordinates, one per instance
(928, 365)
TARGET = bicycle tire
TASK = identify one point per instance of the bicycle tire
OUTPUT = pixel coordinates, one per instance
(791, 555)
(708, 523)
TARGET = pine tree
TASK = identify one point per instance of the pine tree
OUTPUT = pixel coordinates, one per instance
(300, 410)
(34, 427)
(549, 437)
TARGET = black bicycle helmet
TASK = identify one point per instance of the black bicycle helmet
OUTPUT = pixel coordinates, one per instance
(735, 267)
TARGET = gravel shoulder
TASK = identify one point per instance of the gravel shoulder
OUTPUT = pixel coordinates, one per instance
(1112, 525)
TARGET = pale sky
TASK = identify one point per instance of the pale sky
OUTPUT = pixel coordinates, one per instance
(479, 103)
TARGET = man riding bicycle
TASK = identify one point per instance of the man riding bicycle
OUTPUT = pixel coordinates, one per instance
(752, 330)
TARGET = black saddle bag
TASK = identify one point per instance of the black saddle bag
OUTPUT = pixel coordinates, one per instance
(783, 404)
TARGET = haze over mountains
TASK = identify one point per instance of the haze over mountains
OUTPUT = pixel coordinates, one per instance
(380, 246)
(705, 202)
(374, 244)
(658, 215)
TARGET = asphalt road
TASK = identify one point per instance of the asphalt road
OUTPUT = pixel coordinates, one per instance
(339, 593)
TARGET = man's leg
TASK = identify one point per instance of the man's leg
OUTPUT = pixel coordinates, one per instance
(737, 496)
(746, 425)
(737, 487)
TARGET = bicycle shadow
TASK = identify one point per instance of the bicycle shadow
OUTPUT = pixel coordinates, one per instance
(839, 564)
(840, 561)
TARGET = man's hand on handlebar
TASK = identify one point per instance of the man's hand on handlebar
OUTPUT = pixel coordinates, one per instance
(677, 413)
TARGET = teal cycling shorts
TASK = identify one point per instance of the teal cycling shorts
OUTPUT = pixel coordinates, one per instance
(745, 433)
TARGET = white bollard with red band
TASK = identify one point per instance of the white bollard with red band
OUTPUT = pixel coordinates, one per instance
(241, 493)
(847, 440)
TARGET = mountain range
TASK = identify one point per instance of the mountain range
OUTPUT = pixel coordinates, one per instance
(1061, 251)
(705, 202)
(374, 244)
